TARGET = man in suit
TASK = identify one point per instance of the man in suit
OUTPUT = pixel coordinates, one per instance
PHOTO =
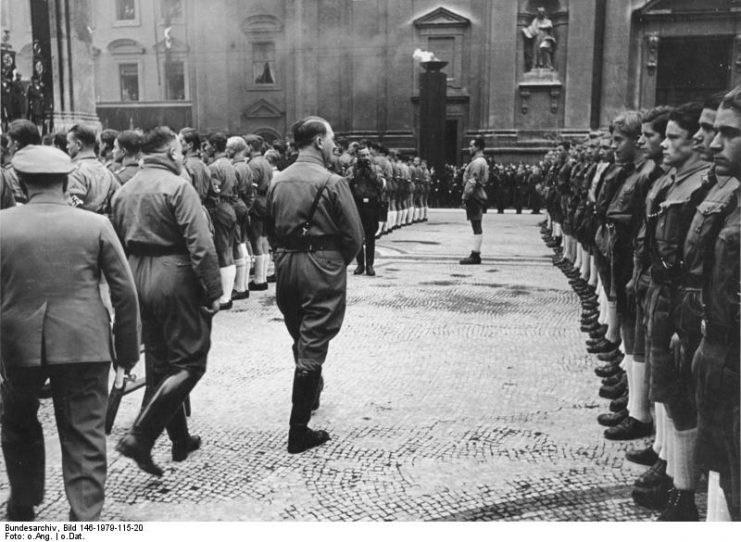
(54, 325)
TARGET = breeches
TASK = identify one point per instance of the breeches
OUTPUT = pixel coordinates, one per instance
(311, 294)
(80, 396)
(175, 331)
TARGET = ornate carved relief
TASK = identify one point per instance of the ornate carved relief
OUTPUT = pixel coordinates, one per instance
(652, 43)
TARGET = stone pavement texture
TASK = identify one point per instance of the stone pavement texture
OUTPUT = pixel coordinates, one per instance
(452, 393)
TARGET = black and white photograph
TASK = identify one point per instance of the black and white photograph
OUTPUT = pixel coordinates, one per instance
(369, 261)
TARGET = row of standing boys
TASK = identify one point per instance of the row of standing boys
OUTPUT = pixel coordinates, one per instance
(644, 221)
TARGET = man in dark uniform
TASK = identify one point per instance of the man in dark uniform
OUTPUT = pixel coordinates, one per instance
(158, 217)
(311, 261)
(223, 215)
(716, 364)
(366, 184)
(243, 198)
(197, 169)
(473, 197)
(91, 184)
(53, 324)
(21, 132)
(262, 174)
(126, 155)
(668, 221)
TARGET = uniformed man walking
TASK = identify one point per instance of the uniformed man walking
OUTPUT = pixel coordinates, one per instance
(158, 216)
(53, 325)
(315, 231)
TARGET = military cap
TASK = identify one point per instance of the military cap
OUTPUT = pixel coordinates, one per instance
(42, 160)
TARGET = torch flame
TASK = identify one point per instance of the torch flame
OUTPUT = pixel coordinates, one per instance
(424, 56)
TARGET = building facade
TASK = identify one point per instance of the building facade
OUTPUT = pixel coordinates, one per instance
(519, 78)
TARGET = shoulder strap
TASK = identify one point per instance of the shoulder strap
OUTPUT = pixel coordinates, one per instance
(310, 219)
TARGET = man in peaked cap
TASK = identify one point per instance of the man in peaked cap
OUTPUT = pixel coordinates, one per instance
(59, 329)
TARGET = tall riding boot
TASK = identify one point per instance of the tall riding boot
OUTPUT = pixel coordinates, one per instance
(300, 437)
(319, 389)
(182, 441)
(155, 416)
(370, 254)
(360, 258)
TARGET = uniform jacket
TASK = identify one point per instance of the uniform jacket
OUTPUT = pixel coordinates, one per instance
(262, 174)
(289, 202)
(7, 199)
(158, 211)
(366, 181)
(53, 256)
(245, 186)
(670, 216)
(200, 176)
(722, 290)
(475, 176)
(720, 200)
(127, 169)
(626, 206)
(91, 185)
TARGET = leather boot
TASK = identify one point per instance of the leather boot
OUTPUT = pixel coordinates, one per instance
(616, 405)
(360, 258)
(300, 436)
(166, 400)
(473, 259)
(182, 441)
(681, 506)
(608, 369)
(369, 265)
(319, 390)
(19, 513)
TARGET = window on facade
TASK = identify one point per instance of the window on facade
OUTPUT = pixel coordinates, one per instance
(444, 49)
(263, 63)
(125, 10)
(171, 9)
(129, 78)
(175, 78)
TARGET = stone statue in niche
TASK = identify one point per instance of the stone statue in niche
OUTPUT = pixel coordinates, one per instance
(540, 42)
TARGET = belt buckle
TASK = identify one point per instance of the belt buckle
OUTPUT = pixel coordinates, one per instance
(366, 200)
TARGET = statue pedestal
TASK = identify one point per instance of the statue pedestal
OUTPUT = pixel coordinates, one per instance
(540, 97)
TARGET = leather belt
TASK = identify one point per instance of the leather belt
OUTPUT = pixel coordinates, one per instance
(155, 251)
(311, 243)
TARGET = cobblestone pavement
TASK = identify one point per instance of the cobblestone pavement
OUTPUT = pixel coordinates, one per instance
(452, 393)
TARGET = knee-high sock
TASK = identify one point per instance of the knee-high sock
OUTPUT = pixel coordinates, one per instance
(402, 217)
(717, 505)
(578, 258)
(660, 439)
(684, 467)
(260, 275)
(240, 280)
(638, 392)
(567, 248)
(228, 274)
(593, 274)
(557, 232)
(477, 239)
(410, 216)
(266, 266)
(670, 444)
(424, 214)
(613, 324)
(585, 266)
(602, 304)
